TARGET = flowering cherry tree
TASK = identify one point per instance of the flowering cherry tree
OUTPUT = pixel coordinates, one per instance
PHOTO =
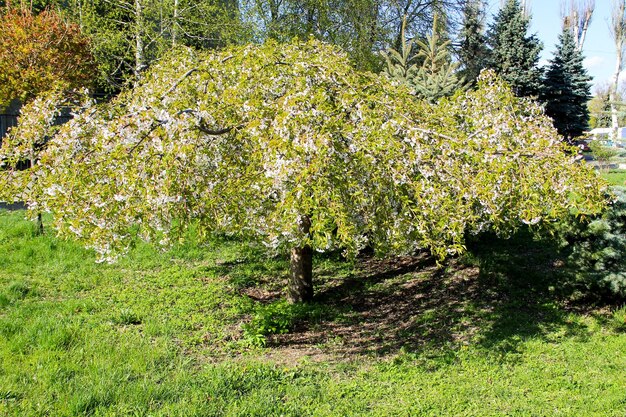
(287, 143)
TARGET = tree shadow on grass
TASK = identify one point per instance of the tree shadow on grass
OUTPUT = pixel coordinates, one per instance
(499, 295)
(530, 280)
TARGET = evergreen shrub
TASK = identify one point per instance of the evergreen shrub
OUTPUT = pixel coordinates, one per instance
(596, 250)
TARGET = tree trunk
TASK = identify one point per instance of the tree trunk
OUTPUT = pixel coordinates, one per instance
(139, 45)
(580, 41)
(578, 19)
(39, 224)
(618, 30)
(175, 24)
(33, 162)
(300, 285)
(613, 93)
(80, 14)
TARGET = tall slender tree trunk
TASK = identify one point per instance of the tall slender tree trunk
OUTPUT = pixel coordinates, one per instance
(175, 24)
(79, 4)
(577, 16)
(524, 7)
(33, 161)
(618, 30)
(139, 45)
(300, 285)
(39, 224)
(274, 14)
(580, 39)
(613, 94)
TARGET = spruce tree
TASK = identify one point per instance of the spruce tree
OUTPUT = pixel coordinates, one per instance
(472, 41)
(437, 76)
(514, 54)
(401, 66)
(566, 88)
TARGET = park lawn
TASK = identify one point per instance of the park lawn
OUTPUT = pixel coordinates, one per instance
(615, 176)
(201, 331)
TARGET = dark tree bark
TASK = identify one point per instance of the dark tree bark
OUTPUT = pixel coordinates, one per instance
(39, 224)
(300, 285)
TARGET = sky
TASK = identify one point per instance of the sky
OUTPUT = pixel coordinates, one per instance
(599, 50)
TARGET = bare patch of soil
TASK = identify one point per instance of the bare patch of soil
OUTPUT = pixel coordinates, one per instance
(262, 295)
(412, 304)
(405, 303)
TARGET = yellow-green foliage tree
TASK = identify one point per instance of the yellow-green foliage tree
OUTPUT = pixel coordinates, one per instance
(290, 145)
(39, 53)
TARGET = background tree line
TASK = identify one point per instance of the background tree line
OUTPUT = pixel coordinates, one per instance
(128, 35)
(434, 46)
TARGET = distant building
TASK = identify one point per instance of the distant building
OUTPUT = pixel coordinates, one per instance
(603, 134)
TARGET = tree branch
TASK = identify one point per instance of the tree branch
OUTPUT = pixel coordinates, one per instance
(177, 83)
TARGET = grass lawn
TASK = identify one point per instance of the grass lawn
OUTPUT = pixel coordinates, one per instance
(615, 176)
(201, 331)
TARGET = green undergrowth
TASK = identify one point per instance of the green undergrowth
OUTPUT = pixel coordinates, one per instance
(201, 330)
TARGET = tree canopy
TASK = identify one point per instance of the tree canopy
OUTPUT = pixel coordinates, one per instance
(600, 106)
(128, 35)
(435, 77)
(39, 53)
(473, 51)
(567, 88)
(261, 140)
(514, 54)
